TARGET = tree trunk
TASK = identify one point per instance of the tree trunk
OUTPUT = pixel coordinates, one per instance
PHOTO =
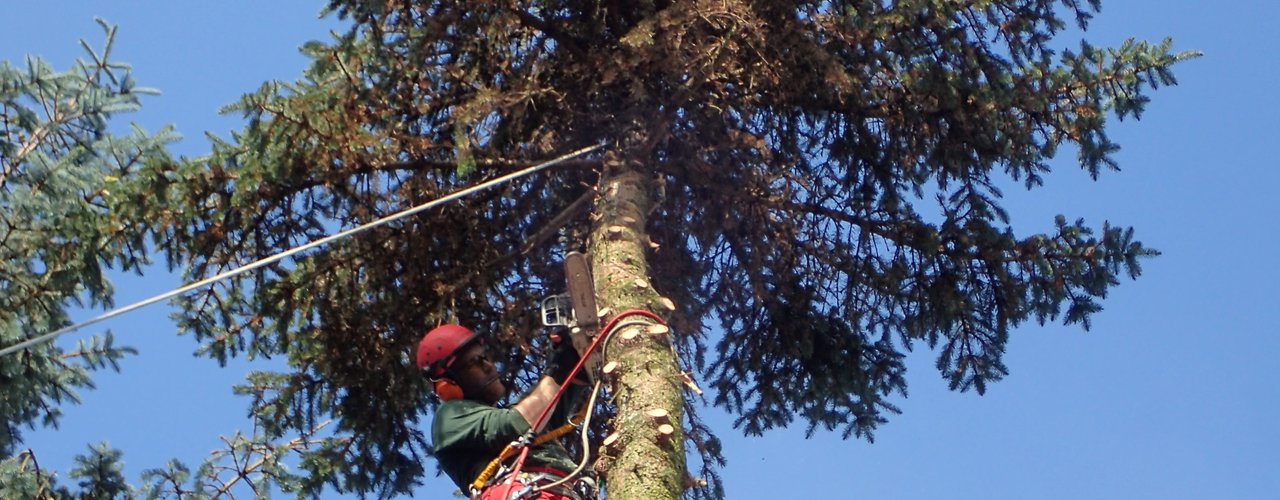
(641, 462)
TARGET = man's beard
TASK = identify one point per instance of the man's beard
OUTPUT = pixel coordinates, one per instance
(480, 392)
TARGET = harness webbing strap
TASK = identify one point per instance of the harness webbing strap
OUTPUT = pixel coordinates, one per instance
(511, 448)
(516, 447)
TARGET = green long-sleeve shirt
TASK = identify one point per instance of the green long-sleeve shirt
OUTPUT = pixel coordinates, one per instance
(466, 435)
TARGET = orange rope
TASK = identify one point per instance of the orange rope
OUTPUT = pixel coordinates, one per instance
(510, 450)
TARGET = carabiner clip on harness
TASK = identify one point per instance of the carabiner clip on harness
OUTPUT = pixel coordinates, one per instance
(525, 441)
(521, 445)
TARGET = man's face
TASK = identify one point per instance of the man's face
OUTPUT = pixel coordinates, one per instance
(475, 372)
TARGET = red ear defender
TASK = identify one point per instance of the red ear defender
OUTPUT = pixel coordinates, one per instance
(447, 390)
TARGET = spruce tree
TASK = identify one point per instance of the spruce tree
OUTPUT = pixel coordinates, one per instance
(68, 212)
(806, 192)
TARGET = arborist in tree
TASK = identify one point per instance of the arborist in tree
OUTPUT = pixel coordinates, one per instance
(469, 431)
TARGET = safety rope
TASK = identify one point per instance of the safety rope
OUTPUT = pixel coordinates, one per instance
(282, 255)
(586, 442)
(546, 437)
(606, 333)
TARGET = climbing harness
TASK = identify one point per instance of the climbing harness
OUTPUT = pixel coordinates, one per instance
(495, 466)
(505, 488)
(536, 480)
(282, 255)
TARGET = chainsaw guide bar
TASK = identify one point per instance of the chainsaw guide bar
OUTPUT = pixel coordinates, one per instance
(582, 296)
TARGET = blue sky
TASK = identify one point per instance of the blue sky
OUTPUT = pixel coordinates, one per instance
(1173, 394)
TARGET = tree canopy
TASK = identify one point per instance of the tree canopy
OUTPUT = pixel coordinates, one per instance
(67, 213)
(812, 192)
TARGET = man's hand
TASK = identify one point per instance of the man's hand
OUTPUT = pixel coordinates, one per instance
(562, 360)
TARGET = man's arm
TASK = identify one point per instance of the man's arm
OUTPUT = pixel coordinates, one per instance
(537, 401)
(558, 369)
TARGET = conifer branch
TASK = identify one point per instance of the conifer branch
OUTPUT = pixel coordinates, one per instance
(268, 454)
(562, 39)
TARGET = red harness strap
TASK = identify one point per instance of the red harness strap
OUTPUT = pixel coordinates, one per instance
(514, 488)
(507, 490)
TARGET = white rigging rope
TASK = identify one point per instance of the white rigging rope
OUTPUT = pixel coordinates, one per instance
(287, 253)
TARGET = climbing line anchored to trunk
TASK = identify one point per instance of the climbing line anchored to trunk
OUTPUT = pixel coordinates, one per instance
(520, 447)
(293, 251)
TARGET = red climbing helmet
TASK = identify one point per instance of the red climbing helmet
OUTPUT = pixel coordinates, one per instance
(439, 347)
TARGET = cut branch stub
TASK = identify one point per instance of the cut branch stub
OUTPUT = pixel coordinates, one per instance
(611, 441)
(665, 431)
(688, 382)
